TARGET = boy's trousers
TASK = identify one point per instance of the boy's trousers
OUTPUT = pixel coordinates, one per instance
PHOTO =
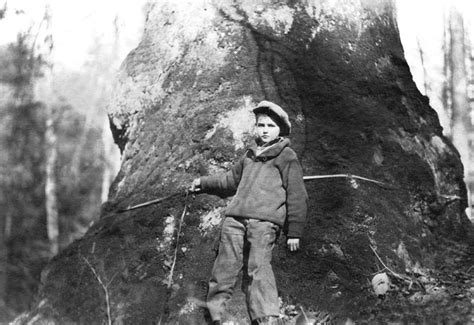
(248, 244)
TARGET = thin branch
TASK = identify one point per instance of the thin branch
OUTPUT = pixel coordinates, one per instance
(104, 287)
(388, 269)
(304, 314)
(112, 279)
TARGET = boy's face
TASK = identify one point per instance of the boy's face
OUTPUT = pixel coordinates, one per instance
(267, 129)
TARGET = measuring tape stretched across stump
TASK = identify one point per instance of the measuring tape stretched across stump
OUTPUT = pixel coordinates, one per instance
(306, 178)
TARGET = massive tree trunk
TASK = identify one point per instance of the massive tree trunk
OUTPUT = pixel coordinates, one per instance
(182, 109)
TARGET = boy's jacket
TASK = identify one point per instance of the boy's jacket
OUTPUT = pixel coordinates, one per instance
(267, 187)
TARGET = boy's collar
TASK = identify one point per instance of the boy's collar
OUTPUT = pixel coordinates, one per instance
(261, 144)
(270, 149)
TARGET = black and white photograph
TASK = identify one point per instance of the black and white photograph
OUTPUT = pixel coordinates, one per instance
(236, 162)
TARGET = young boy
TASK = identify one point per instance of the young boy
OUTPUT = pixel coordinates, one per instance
(269, 194)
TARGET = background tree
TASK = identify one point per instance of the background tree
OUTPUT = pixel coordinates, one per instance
(444, 69)
(51, 198)
(23, 180)
(46, 111)
(461, 123)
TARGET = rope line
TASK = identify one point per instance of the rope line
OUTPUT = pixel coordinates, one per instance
(141, 205)
(307, 178)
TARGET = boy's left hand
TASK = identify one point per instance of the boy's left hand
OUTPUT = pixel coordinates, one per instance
(293, 244)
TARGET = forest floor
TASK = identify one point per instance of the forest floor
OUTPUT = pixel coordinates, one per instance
(442, 295)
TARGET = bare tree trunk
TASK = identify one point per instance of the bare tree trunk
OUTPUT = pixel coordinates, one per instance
(76, 158)
(111, 160)
(51, 185)
(3, 260)
(460, 104)
(426, 85)
(470, 95)
(51, 199)
(446, 90)
(111, 151)
(3, 225)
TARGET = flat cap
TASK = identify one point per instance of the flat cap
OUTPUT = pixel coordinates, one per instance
(281, 116)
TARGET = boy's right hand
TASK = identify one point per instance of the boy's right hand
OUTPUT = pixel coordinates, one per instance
(195, 186)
